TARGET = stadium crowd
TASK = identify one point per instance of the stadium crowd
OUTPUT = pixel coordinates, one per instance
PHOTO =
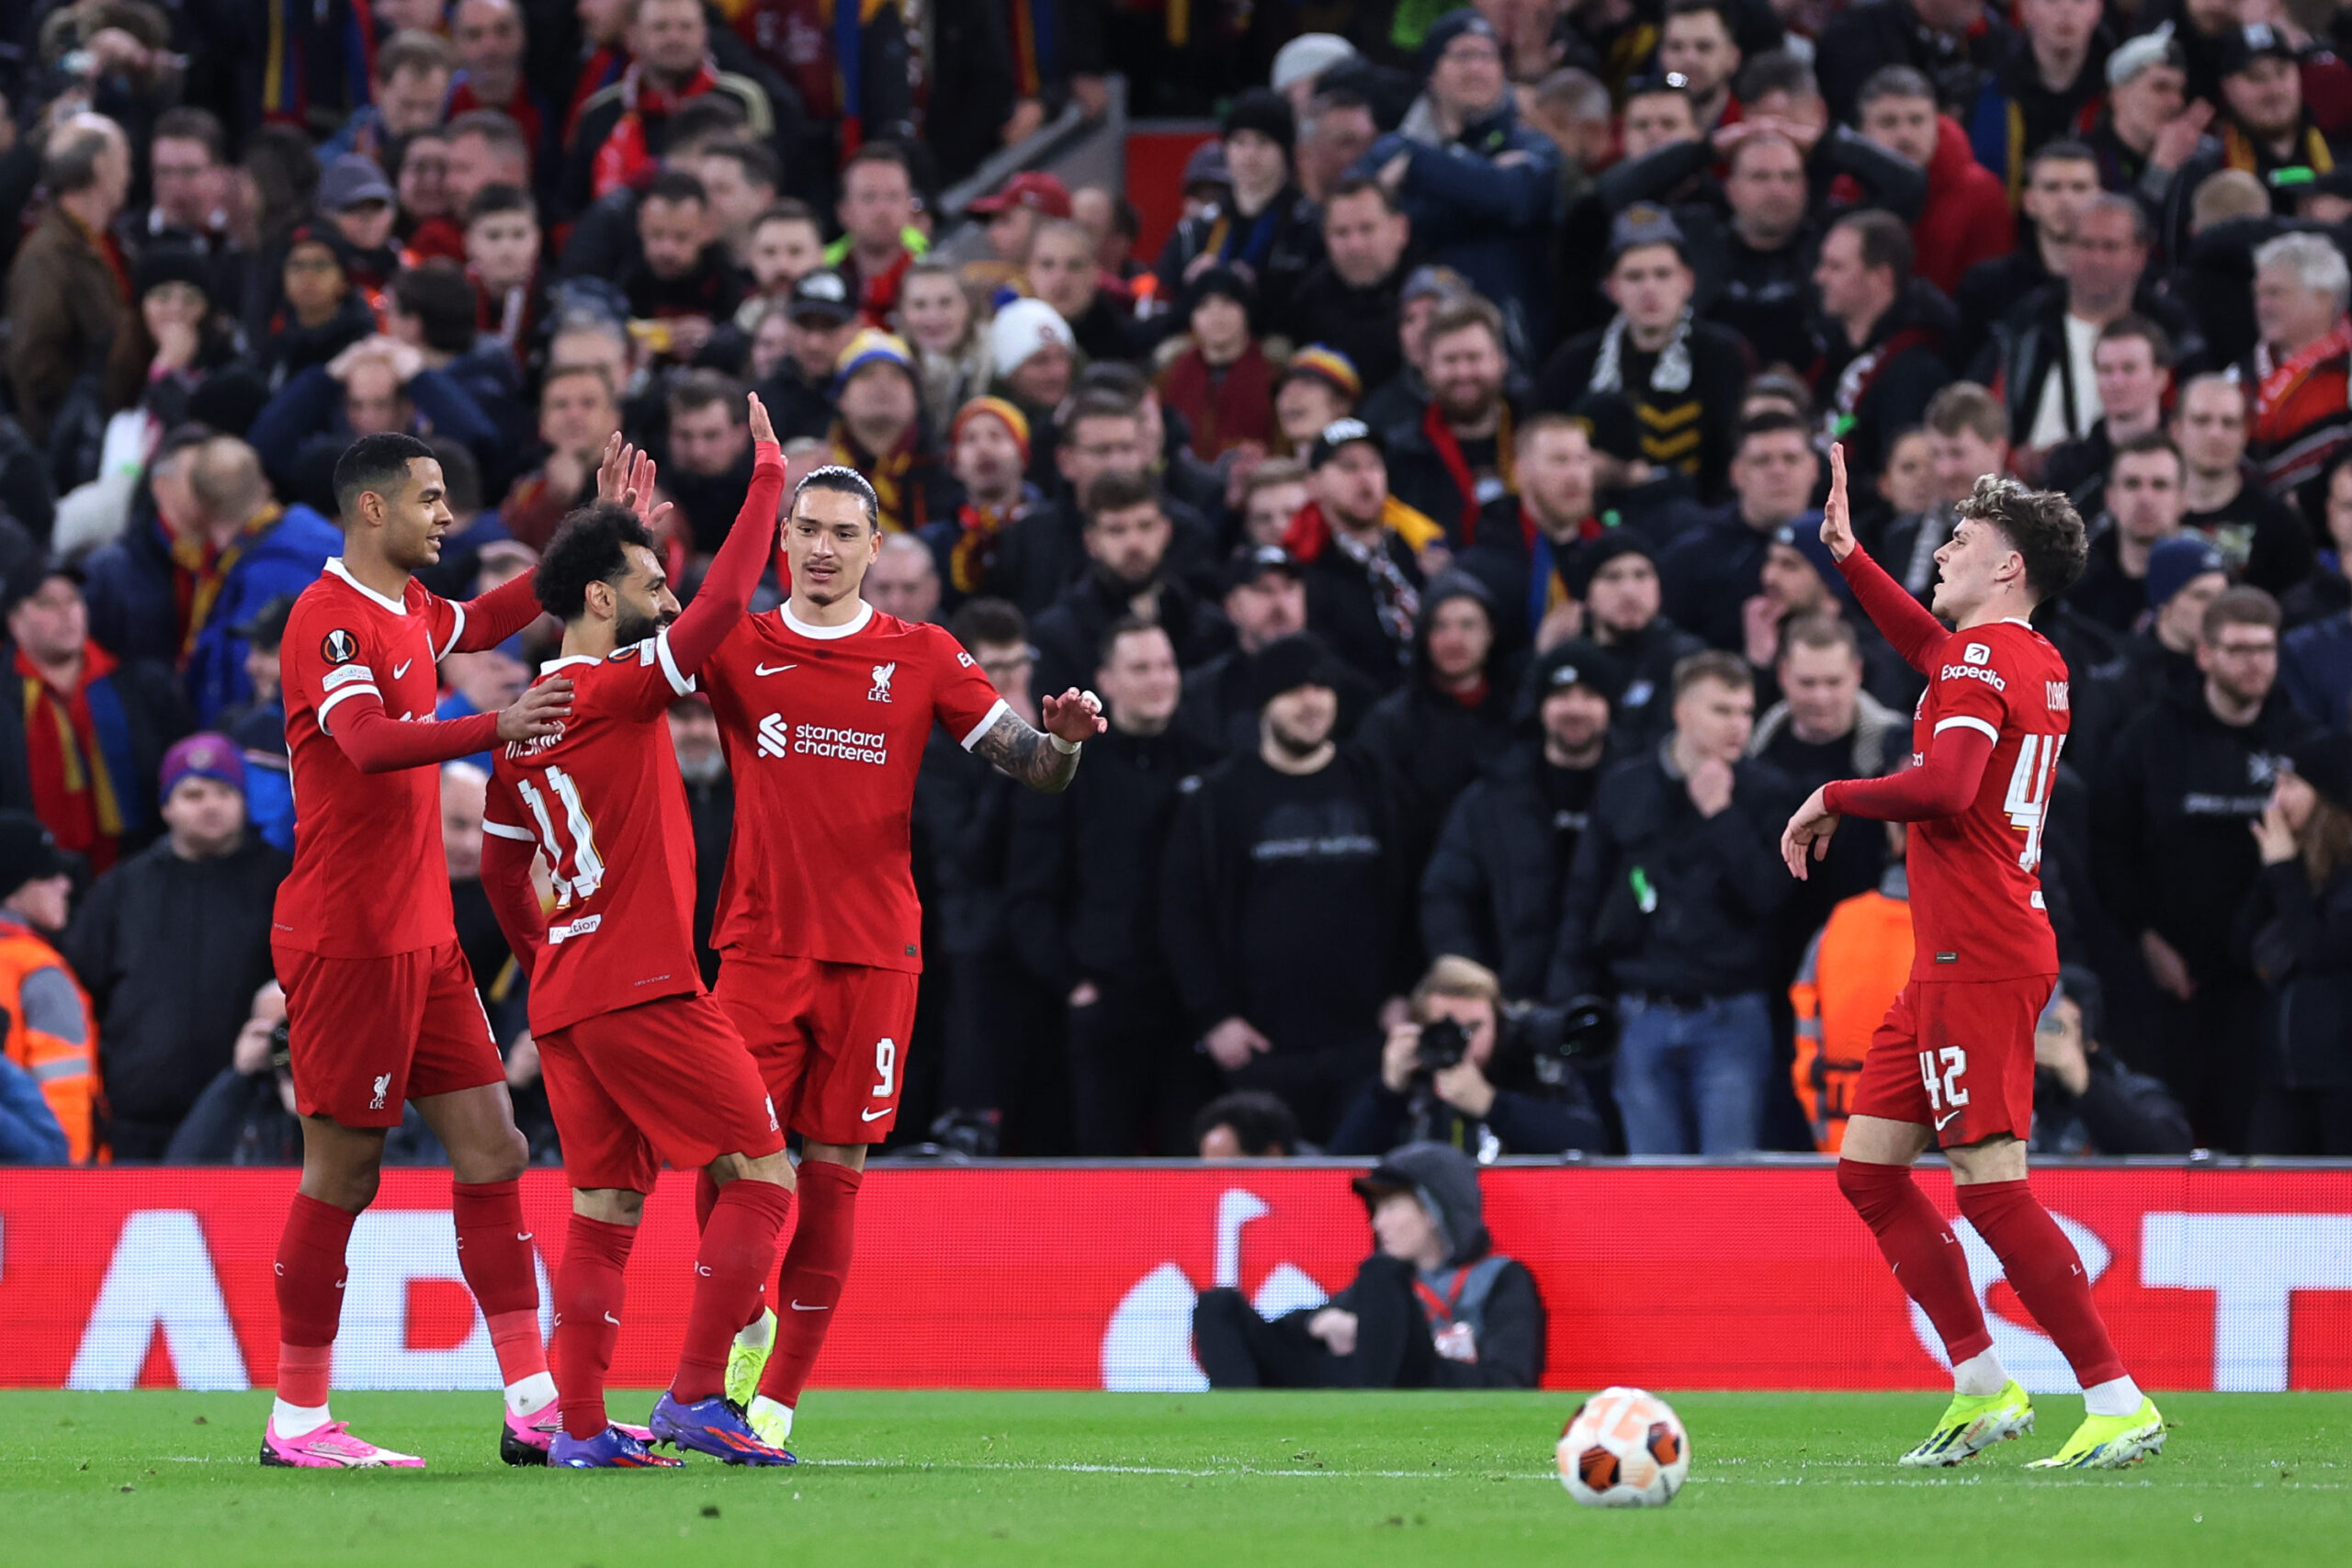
(1434, 511)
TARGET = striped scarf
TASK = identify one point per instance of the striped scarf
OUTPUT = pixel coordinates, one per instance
(198, 572)
(76, 746)
(891, 475)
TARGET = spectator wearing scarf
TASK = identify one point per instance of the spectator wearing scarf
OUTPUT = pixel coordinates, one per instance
(996, 495)
(879, 431)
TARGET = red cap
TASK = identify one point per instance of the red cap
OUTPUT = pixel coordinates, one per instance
(1031, 188)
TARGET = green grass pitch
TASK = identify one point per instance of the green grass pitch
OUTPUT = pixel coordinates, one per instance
(1198, 1480)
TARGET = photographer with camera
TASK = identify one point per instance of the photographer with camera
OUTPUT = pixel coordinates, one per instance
(1473, 1071)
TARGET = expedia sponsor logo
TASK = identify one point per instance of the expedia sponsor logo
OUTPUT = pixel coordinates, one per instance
(1970, 672)
(779, 737)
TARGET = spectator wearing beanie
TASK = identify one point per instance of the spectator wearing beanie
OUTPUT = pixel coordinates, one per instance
(1036, 357)
(1286, 958)
(1491, 890)
(2298, 927)
(50, 1031)
(85, 730)
(988, 456)
(880, 430)
(1454, 714)
(1267, 231)
(1359, 549)
(1482, 190)
(175, 337)
(1265, 601)
(1316, 386)
(174, 943)
(1222, 386)
(2174, 856)
(2159, 660)
(1615, 578)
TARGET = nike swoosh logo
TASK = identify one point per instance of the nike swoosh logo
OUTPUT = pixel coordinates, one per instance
(611, 1319)
(797, 1307)
(523, 1235)
(875, 1115)
(401, 669)
(1944, 1118)
(771, 669)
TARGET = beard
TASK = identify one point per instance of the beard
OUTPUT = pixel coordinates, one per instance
(1292, 743)
(630, 627)
(1471, 409)
(703, 767)
(1121, 585)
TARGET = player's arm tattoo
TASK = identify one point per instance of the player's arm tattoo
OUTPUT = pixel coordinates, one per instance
(1017, 749)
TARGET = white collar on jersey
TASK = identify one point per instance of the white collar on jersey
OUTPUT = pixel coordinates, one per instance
(552, 665)
(2016, 621)
(850, 628)
(335, 565)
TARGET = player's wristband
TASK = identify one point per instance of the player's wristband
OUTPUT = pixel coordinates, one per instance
(1066, 747)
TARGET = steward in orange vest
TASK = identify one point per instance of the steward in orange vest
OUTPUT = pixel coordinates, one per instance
(1857, 962)
(50, 1032)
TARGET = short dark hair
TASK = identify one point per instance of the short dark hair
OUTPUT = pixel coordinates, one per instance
(699, 389)
(590, 545)
(987, 623)
(758, 160)
(460, 475)
(1827, 629)
(189, 123)
(1715, 8)
(1125, 625)
(378, 463)
(499, 197)
(2041, 525)
(841, 480)
(2133, 325)
(438, 295)
(2147, 441)
(1711, 664)
(493, 126)
(1894, 82)
(2065, 149)
(706, 114)
(2239, 606)
(1117, 491)
(1770, 421)
(1261, 1123)
(413, 49)
(1098, 404)
(881, 152)
(676, 185)
(1885, 240)
(1358, 184)
(1777, 71)
(787, 209)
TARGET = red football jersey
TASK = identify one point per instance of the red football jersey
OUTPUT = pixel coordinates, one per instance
(369, 877)
(602, 800)
(824, 728)
(1976, 910)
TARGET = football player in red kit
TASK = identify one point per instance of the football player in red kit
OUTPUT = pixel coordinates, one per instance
(380, 1006)
(640, 1064)
(823, 708)
(1952, 1065)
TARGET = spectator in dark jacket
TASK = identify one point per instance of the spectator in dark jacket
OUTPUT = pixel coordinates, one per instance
(83, 733)
(1445, 724)
(1351, 300)
(376, 384)
(2085, 1101)
(1671, 904)
(1509, 1089)
(1431, 1245)
(1715, 570)
(1616, 578)
(1264, 602)
(2174, 859)
(1456, 459)
(67, 290)
(1955, 43)
(1491, 890)
(1082, 904)
(176, 592)
(172, 944)
(1882, 335)
(1127, 538)
(1482, 190)
(2297, 930)
(1268, 232)
(1285, 908)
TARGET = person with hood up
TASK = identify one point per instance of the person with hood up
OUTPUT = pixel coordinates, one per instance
(1434, 1306)
(1452, 717)
(1482, 190)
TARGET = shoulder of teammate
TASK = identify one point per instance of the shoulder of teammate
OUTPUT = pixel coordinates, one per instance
(737, 653)
(644, 677)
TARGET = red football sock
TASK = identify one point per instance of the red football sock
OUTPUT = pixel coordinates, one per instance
(494, 1253)
(310, 1297)
(1921, 1250)
(706, 1199)
(810, 1283)
(2046, 1272)
(589, 1288)
(738, 1249)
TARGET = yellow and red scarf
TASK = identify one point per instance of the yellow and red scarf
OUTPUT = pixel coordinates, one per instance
(198, 570)
(73, 785)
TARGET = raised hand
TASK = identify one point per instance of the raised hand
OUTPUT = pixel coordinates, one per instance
(762, 428)
(1075, 716)
(612, 469)
(1837, 520)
